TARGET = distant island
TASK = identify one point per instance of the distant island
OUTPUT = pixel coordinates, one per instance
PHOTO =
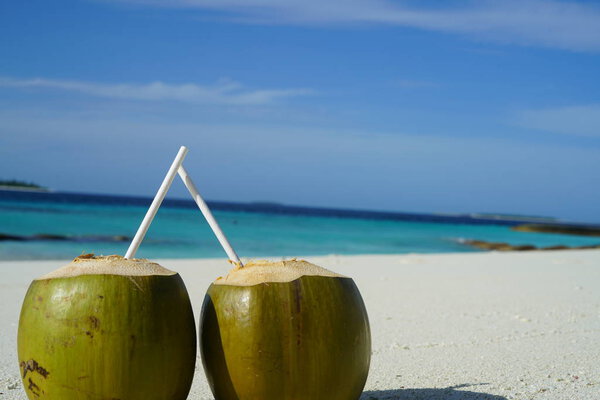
(14, 184)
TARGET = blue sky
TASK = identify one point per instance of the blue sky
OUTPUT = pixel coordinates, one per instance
(426, 106)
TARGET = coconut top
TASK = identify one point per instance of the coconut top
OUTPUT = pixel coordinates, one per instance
(89, 264)
(256, 272)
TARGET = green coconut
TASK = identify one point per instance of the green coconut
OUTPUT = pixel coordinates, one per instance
(287, 331)
(107, 328)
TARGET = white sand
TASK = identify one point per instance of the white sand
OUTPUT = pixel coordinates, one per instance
(463, 326)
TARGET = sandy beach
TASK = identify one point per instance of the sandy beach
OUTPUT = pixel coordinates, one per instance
(450, 326)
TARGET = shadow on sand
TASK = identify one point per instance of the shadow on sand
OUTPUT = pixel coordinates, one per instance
(449, 393)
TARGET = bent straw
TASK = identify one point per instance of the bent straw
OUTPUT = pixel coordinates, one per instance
(160, 195)
(209, 216)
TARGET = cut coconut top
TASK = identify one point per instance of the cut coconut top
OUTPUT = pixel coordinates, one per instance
(88, 264)
(256, 272)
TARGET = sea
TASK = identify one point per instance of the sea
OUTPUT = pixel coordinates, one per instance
(57, 225)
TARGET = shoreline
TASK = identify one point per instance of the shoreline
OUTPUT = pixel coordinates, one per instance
(465, 326)
(487, 248)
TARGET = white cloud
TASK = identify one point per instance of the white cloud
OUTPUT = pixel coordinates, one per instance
(551, 23)
(583, 120)
(225, 92)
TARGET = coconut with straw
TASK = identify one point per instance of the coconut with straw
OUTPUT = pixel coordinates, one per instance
(287, 330)
(109, 327)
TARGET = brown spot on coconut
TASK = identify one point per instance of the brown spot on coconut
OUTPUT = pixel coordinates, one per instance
(92, 308)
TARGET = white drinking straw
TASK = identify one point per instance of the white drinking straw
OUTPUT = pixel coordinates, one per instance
(209, 216)
(160, 195)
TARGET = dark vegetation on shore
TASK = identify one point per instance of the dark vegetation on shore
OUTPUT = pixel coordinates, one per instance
(580, 230)
(13, 183)
(556, 228)
(501, 246)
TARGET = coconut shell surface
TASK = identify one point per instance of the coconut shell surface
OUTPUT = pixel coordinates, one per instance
(107, 336)
(304, 339)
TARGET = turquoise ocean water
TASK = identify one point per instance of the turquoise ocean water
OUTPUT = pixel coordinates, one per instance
(91, 224)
